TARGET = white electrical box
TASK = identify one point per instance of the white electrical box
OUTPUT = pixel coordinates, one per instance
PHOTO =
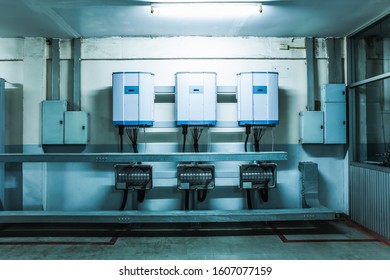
(257, 98)
(53, 121)
(76, 127)
(196, 98)
(333, 104)
(133, 98)
(311, 127)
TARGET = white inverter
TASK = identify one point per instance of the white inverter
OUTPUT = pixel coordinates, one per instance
(133, 98)
(257, 98)
(196, 98)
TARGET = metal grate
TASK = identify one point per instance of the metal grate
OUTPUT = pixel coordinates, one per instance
(370, 199)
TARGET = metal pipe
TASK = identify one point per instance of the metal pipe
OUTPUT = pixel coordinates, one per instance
(309, 41)
(55, 69)
(370, 80)
(76, 74)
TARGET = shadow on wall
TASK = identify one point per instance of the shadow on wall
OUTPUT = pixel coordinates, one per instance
(323, 151)
(101, 127)
(284, 129)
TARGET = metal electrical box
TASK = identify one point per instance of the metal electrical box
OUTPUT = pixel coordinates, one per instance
(76, 127)
(333, 104)
(133, 98)
(311, 124)
(196, 98)
(53, 121)
(257, 98)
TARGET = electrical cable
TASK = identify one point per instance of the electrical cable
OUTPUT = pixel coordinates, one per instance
(132, 132)
(141, 195)
(248, 192)
(126, 191)
(196, 134)
(264, 194)
(184, 132)
(247, 132)
(202, 194)
(258, 133)
(121, 129)
(187, 200)
(186, 192)
(124, 199)
(249, 199)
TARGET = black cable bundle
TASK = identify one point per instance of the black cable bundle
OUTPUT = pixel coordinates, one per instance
(186, 192)
(132, 132)
(196, 134)
(258, 133)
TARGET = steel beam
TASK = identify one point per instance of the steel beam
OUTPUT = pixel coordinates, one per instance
(177, 216)
(133, 157)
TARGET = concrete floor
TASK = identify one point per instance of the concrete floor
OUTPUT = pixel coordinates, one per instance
(316, 240)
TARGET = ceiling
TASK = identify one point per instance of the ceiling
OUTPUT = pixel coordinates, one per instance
(102, 18)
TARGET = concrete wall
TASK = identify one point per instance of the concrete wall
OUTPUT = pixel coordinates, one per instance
(25, 64)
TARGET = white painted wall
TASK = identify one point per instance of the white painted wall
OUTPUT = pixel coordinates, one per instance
(27, 60)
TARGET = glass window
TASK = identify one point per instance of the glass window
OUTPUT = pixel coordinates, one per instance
(372, 122)
(371, 51)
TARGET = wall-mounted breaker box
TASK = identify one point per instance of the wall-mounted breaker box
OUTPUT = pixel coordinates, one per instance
(76, 127)
(311, 124)
(333, 104)
(257, 98)
(133, 98)
(60, 126)
(327, 126)
(53, 121)
(196, 98)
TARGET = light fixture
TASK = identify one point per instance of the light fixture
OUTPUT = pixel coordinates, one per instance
(206, 9)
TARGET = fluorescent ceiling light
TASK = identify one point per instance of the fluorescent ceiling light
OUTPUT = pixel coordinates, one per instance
(206, 9)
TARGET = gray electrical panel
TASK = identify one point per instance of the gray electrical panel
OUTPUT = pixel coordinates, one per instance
(53, 122)
(333, 104)
(328, 126)
(311, 127)
(76, 127)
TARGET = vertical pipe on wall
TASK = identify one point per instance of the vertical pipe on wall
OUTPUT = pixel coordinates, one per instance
(334, 60)
(76, 74)
(2, 136)
(309, 42)
(55, 69)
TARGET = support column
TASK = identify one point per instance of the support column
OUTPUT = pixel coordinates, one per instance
(34, 92)
(361, 118)
(2, 136)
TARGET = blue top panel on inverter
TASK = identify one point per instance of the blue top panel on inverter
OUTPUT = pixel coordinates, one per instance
(133, 73)
(277, 73)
